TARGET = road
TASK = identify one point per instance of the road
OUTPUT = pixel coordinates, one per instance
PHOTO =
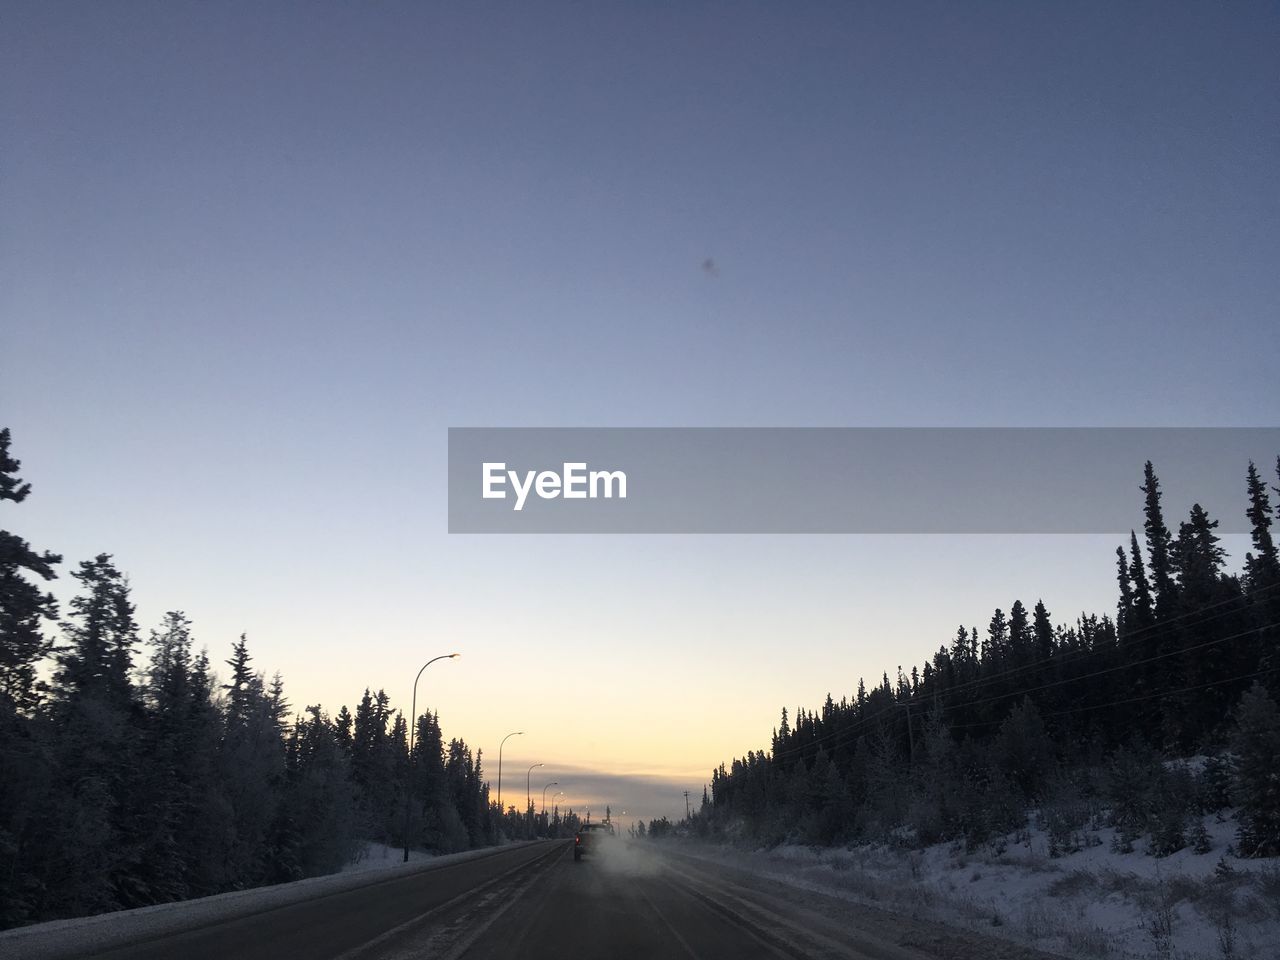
(534, 902)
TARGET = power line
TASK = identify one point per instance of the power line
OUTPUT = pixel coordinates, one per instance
(839, 737)
(1149, 696)
(1139, 699)
(1121, 666)
(1067, 657)
(1071, 655)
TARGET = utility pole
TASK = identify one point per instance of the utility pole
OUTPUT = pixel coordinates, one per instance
(911, 735)
(688, 814)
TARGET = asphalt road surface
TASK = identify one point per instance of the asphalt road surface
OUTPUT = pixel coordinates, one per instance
(534, 902)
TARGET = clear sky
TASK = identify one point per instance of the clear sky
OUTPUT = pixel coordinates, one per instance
(256, 259)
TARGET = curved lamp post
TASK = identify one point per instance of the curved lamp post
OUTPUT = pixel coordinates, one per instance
(553, 783)
(528, 793)
(413, 725)
(528, 800)
(517, 733)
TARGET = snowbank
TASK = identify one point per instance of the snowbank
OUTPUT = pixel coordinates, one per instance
(1096, 903)
(63, 938)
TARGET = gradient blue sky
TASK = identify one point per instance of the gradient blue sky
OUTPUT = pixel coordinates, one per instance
(255, 259)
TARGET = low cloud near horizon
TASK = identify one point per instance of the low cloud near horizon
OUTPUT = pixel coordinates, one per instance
(642, 796)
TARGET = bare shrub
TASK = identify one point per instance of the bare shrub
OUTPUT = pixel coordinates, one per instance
(1224, 926)
(1201, 843)
(1074, 883)
(1129, 777)
(1064, 814)
(1181, 887)
(1112, 881)
(1268, 881)
(1087, 941)
(1213, 785)
(1159, 915)
(1040, 922)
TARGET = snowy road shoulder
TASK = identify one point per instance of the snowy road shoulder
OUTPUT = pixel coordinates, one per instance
(60, 938)
(1093, 904)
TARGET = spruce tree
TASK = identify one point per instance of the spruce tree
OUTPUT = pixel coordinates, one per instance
(1124, 609)
(24, 608)
(1019, 635)
(100, 751)
(163, 808)
(169, 674)
(313, 832)
(238, 689)
(1198, 559)
(1262, 578)
(1042, 631)
(783, 735)
(208, 817)
(1255, 746)
(960, 651)
(997, 641)
(1143, 609)
(28, 774)
(1263, 569)
(251, 760)
(102, 634)
(342, 728)
(1159, 543)
(277, 705)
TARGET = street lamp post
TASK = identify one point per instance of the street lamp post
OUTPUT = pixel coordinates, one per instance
(517, 733)
(529, 801)
(528, 793)
(545, 822)
(413, 724)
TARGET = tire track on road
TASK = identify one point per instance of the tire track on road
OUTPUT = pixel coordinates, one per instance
(456, 924)
(783, 932)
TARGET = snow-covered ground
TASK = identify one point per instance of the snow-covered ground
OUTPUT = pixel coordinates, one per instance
(378, 856)
(1094, 903)
(61, 938)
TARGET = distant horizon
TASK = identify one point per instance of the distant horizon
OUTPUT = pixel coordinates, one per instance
(618, 782)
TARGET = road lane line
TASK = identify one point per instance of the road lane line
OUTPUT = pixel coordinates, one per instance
(400, 928)
(670, 926)
(540, 867)
(767, 924)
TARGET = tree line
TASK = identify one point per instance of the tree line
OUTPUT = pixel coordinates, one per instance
(1080, 722)
(131, 775)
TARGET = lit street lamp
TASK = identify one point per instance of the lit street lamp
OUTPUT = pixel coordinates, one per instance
(517, 733)
(528, 794)
(413, 724)
(528, 801)
(553, 783)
